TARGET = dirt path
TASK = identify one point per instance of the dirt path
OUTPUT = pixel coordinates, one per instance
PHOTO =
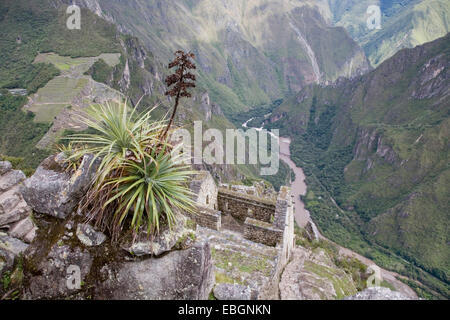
(302, 216)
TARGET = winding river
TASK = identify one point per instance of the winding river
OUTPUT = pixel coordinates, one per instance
(302, 216)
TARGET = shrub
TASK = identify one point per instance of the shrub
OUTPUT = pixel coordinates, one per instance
(139, 183)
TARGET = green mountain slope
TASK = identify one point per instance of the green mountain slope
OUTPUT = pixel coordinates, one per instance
(405, 24)
(379, 146)
(250, 52)
(67, 69)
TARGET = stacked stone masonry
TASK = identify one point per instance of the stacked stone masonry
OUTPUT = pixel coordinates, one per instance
(267, 220)
(242, 206)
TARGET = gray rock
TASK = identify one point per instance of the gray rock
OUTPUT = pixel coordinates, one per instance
(10, 248)
(52, 190)
(30, 236)
(10, 179)
(6, 260)
(312, 232)
(19, 212)
(12, 207)
(24, 230)
(52, 279)
(13, 245)
(5, 166)
(9, 200)
(185, 275)
(378, 293)
(161, 243)
(88, 236)
(227, 291)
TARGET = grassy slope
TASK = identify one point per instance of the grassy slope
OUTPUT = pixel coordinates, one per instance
(398, 197)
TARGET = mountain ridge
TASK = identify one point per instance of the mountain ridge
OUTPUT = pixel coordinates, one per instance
(248, 52)
(378, 145)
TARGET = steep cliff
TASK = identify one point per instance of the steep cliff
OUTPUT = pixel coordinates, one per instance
(377, 147)
(404, 24)
(249, 52)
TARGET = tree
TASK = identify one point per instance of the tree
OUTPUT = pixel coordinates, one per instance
(180, 82)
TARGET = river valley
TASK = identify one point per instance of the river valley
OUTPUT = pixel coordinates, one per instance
(302, 217)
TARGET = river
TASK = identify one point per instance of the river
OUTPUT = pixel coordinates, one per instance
(302, 216)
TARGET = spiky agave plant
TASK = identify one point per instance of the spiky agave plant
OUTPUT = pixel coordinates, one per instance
(152, 189)
(138, 178)
(69, 150)
(120, 133)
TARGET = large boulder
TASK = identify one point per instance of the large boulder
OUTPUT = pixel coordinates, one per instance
(52, 276)
(106, 271)
(181, 275)
(163, 242)
(53, 190)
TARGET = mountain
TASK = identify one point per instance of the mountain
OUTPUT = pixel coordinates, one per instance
(376, 152)
(63, 71)
(249, 52)
(404, 24)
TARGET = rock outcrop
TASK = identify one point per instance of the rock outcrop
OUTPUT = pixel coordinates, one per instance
(71, 260)
(53, 190)
(238, 261)
(312, 275)
(185, 274)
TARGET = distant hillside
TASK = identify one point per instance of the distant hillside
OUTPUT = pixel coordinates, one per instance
(379, 146)
(249, 52)
(405, 24)
(68, 70)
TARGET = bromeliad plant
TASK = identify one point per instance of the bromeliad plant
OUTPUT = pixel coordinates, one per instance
(139, 183)
(72, 162)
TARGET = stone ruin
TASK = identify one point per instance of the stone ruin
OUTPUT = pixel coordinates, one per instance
(256, 219)
(235, 245)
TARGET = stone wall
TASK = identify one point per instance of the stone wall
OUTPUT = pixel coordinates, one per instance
(280, 231)
(207, 218)
(242, 206)
(262, 232)
(258, 189)
(284, 220)
(205, 190)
